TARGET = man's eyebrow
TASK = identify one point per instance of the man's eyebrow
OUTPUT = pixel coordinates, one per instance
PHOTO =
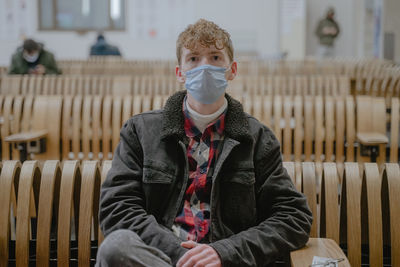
(194, 53)
(216, 52)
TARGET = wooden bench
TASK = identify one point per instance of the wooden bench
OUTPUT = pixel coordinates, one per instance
(350, 211)
(320, 129)
(359, 211)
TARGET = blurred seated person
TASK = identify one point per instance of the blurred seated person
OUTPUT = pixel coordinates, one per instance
(32, 58)
(102, 48)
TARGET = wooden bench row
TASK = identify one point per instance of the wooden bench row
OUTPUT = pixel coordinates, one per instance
(57, 203)
(321, 129)
(386, 85)
(247, 66)
(359, 211)
(88, 85)
(166, 84)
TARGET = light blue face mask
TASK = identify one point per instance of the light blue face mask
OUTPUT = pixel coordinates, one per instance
(206, 83)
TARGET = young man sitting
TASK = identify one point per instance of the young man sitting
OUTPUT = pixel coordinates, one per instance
(200, 183)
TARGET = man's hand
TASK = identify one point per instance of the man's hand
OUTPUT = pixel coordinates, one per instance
(329, 30)
(199, 255)
(40, 69)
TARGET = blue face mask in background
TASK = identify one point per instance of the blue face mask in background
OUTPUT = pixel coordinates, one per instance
(206, 83)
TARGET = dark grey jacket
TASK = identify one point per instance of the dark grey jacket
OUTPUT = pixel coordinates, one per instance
(256, 212)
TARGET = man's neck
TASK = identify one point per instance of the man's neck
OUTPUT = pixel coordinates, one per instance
(205, 109)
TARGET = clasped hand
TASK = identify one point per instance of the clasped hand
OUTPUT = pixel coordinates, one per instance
(199, 255)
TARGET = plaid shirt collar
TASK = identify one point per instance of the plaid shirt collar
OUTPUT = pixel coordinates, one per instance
(192, 131)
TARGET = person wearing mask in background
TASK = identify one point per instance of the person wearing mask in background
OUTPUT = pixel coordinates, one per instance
(32, 58)
(200, 182)
(102, 48)
(327, 31)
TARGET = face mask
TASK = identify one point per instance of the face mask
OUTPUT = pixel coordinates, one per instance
(206, 83)
(31, 58)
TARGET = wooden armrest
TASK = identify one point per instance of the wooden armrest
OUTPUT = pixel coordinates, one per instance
(26, 136)
(321, 247)
(372, 139)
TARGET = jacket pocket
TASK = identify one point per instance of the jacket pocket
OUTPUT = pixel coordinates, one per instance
(157, 183)
(238, 199)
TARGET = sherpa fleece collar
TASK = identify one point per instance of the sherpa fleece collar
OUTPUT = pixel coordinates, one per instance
(236, 123)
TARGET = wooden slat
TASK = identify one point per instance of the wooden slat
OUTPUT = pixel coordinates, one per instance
(329, 128)
(137, 104)
(6, 126)
(106, 166)
(257, 107)
(88, 209)
(107, 126)
(96, 129)
(319, 128)
(127, 107)
(299, 129)
(267, 111)
(350, 213)
(289, 166)
(350, 128)
(15, 126)
(308, 127)
(371, 213)
(299, 176)
(25, 84)
(391, 210)
(379, 125)
(86, 126)
(29, 178)
(9, 174)
(340, 131)
(66, 126)
(69, 201)
(247, 105)
(27, 114)
(146, 103)
(48, 199)
(309, 190)
(287, 131)
(329, 226)
(116, 121)
(76, 125)
(277, 117)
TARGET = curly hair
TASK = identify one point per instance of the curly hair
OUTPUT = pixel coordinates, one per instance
(205, 33)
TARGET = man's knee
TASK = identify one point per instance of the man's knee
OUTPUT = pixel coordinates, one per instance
(115, 247)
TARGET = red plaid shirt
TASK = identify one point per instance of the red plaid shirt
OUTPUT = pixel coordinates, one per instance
(193, 222)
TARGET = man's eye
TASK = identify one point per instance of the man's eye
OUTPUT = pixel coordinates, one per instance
(193, 59)
(216, 57)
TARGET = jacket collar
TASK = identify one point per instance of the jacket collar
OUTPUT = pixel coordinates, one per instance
(236, 122)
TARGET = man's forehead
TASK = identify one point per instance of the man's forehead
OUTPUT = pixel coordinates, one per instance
(199, 49)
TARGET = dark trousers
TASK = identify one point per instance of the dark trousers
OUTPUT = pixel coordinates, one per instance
(125, 248)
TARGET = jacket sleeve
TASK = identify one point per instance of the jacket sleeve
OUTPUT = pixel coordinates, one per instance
(51, 65)
(337, 29)
(122, 201)
(14, 66)
(284, 218)
(318, 29)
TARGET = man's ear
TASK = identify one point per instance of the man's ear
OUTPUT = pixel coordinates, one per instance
(233, 71)
(179, 75)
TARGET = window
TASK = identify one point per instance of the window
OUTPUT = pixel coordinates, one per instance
(81, 15)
